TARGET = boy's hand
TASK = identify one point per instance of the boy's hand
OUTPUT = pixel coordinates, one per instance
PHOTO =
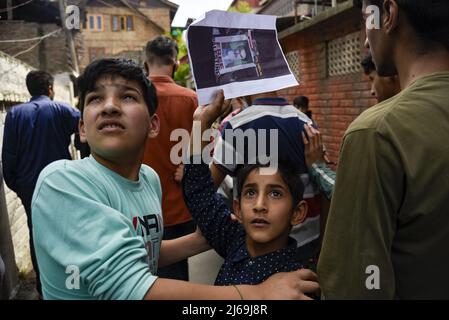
(179, 172)
(291, 285)
(313, 147)
(209, 113)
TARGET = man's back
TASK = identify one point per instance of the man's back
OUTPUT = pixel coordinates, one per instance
(176, 106)
(393, 199)
(36, 134)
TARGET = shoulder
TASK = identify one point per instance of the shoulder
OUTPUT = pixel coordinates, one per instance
(260, 113)
(69, 174)
(151, 178)
(67, 107)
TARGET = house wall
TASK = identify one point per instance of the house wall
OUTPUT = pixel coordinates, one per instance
(50, 54)
(334, 100)
(115, 42)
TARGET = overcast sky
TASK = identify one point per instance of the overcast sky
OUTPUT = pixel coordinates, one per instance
(195, 8)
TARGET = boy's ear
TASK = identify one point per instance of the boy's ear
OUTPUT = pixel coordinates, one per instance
(299, 213)
(237, 211)
(147, 68)
(154, 127)
(82, 131)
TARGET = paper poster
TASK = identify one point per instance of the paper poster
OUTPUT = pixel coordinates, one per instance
(237, 52)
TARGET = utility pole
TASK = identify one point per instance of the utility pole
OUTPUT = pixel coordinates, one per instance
(9, 8)
(69, 37)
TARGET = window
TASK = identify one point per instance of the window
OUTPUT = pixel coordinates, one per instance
(129, 23)
(95, 53)
(95, 22)
(343, 55)
(115, 23)
(122, 23)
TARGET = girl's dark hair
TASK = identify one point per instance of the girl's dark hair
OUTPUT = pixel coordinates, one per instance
(429, 18)
(289, 174)
(116, 67)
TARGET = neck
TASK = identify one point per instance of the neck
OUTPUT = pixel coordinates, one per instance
(412, 65)
(256, 249)
(128, 168)
(161, 70)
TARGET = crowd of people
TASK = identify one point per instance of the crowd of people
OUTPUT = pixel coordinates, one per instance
(127, 217)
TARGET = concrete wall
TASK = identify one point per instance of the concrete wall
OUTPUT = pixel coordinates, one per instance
(12, 214)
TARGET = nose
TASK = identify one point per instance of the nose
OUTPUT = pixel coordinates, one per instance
(110, 107)
(373, 90)
(260, 205)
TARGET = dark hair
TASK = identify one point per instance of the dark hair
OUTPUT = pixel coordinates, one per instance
(116, 67)
(368, 64)
(428, 18)
(301, 101)
(289, 174)
(161, 50)
(38, 82)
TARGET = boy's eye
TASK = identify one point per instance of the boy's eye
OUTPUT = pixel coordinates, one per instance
(94, 99)
(129, 97)
(276, 194)
(249, 193)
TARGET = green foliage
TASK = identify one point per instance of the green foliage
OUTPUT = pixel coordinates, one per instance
(183, 71)
(241, 6)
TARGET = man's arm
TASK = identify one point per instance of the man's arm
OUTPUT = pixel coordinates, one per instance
(182, 248)
(10, 154)
(362, 220)
(319, 172)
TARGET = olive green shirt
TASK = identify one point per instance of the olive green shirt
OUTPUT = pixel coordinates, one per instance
(387, 234)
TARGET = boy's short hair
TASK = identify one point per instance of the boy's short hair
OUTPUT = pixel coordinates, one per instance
(289, 174)
(429, 19)
(368, 64)
(38, 82)
(116, 67)
(162, 50)
(301, 101)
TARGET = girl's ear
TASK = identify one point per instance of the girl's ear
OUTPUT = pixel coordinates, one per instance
(299, 213)
(237, 211)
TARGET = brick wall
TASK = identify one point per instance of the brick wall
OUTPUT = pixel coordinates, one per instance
(50, 54)
(337, 100)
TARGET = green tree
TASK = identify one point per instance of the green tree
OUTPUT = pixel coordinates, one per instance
(183, 71)
(241, 6)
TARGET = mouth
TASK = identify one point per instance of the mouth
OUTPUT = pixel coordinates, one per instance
(110, 125)
(259, 223)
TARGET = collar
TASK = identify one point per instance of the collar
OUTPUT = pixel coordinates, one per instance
(271, 101)
(289, 251)
(40, 98)
(165, 79)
